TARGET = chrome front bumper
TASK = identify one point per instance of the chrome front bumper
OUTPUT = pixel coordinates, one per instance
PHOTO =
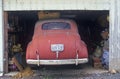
(57, 62)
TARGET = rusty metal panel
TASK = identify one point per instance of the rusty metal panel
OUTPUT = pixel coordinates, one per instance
(13, 5)
(1, 39)
(114, 55)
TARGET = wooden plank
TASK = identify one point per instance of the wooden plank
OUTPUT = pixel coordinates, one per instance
(114, 55)
(6, 42)
(13, 5)
(1, 39)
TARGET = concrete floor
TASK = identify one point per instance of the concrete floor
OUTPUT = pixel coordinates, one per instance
(61, 72)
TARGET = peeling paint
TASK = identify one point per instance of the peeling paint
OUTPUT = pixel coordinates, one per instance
(114, 35)
(1, 39)
(13, 5)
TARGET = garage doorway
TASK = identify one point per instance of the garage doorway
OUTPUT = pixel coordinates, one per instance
(90, 25)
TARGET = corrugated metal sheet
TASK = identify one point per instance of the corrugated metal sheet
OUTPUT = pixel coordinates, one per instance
(12, 5)
(114, 57)
(1, 39)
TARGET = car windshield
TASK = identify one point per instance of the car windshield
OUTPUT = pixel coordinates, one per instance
(56, 26)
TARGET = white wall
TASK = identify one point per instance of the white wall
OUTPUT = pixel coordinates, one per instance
(12, 5)
(114, 54)
(1, 39)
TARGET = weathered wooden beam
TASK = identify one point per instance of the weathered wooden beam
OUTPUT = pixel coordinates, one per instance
(6, 42)
(18, 5)
(1, 38)
(114, 54)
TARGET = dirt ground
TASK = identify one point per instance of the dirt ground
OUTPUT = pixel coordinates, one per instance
(67, 72)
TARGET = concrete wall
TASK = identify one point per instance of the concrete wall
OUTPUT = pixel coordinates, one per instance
(1, 38)
(114, 56)
(11, 5)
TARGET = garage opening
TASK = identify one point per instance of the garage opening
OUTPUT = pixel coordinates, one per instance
(90, 25)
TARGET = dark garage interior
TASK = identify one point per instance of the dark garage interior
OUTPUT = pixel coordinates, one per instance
(90, 25)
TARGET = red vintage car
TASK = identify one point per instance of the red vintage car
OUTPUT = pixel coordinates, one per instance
(56, 42)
